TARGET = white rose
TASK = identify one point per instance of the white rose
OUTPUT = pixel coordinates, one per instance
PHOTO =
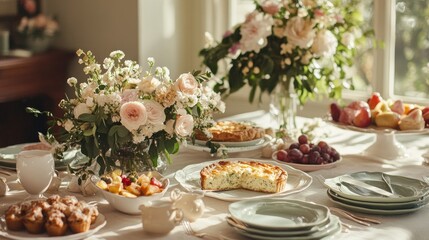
(68, 125)
(184, 125)
(155, 112)
(299, 31)
(186, 83)
(324, 44)
(80, 109)
(133, 115)
(148, 84)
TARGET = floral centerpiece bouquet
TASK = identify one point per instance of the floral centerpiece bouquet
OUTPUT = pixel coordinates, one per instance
(124, 117)
(302, 46)
(37, 32)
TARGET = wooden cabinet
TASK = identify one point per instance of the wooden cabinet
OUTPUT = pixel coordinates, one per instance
(36, 81)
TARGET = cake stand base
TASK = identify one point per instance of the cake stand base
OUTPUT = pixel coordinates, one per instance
(385, 146)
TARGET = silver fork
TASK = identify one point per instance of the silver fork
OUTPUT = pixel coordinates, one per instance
(190, 231)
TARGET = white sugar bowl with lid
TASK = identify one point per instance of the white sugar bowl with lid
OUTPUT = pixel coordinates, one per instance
(191, 204)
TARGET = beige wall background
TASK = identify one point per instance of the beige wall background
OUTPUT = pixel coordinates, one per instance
(171, 31)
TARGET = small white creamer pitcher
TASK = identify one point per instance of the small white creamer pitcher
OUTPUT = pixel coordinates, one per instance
(191, 204)
(160, 216)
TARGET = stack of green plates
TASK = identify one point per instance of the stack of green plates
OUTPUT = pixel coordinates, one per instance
(281, 219)
(408, 195)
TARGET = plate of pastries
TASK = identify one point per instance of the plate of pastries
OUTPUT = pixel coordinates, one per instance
(62, 218)
(381, 115)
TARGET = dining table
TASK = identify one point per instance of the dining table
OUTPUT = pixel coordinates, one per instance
(350, 144)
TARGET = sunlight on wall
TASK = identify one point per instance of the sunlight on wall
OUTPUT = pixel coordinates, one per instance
(169, 16)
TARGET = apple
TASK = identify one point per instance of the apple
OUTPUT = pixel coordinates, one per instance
(335, 111)
(362, 118)
(374, 100)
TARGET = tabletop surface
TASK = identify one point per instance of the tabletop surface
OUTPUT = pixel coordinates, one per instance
(349, 143)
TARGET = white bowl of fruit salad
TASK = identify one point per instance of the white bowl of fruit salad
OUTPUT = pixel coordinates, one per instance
(126, 192)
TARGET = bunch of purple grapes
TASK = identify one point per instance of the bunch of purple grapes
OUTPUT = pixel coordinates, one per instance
(308, 153)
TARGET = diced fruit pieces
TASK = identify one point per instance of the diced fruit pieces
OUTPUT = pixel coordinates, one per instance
(130, 186)
(154, 181)
(128, 194)
(115, 187)
(151, 189)
(102, 184)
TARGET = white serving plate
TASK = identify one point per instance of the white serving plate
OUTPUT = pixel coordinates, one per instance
(279, 214)
(233, 144)
(410, 189)
(189, 178)
(23, 235)
(328, 233)
(308, 167)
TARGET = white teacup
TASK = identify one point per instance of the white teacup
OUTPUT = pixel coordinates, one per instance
(160, 216)
(35, 170)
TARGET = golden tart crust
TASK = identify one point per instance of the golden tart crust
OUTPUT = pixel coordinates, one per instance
(230, 131)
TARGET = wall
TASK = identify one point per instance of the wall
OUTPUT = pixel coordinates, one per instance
(97, 25)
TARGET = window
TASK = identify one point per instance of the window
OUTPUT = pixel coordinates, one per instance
(412, 49)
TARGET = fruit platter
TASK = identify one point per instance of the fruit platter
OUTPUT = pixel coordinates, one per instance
(307, 156)
(385, 118)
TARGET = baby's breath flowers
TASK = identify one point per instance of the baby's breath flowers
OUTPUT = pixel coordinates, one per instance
(120, 106)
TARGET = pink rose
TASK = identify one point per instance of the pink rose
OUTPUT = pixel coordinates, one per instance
(270, 7)
(186, 83)
(299, 31)
(133, 115)
(155, 112)
(184, 125)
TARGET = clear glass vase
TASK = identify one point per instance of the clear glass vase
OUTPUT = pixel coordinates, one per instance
(138, 160)
(283, 106)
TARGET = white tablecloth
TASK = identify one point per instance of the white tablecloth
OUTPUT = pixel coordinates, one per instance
(350, 144)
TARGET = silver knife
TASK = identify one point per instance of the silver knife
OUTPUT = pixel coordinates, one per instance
(355, 182)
